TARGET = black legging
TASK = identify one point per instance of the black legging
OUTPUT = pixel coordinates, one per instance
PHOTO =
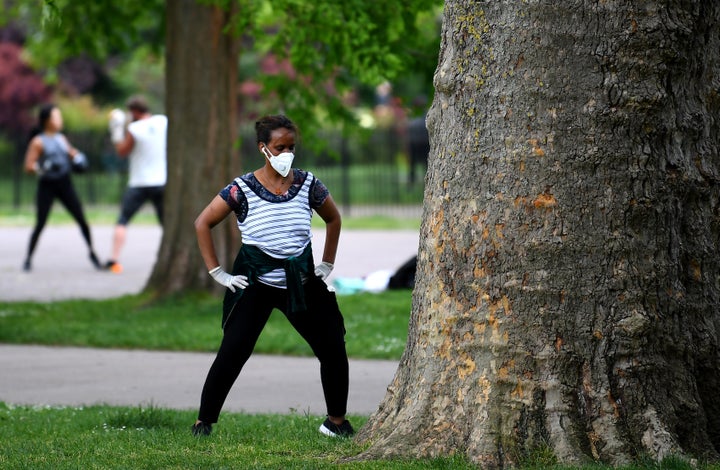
(322, 326)
(63, 189)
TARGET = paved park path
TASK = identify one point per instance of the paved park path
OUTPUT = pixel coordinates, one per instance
(79, 376)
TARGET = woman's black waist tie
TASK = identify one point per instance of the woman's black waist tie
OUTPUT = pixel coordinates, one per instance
(296, 293)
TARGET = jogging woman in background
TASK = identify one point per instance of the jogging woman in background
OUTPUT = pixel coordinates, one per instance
(275, 269)
(51, 157)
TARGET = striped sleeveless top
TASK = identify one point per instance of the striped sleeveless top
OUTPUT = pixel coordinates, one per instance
(278, 225)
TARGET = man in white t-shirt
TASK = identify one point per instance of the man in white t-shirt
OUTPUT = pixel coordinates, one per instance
(143, 143)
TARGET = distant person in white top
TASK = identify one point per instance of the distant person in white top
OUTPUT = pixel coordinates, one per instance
(143, 143)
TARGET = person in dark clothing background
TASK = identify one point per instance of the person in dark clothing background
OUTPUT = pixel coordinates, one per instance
(51, 157)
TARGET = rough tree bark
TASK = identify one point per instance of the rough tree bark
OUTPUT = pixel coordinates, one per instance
(201, 76)
(568, 279)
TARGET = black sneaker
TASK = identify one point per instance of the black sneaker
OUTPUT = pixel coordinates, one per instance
(201, 429)
(336, 430)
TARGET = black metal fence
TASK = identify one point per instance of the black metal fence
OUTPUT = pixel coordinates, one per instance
(377, 174)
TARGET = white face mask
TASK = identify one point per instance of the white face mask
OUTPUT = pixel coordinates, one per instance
(281, 163)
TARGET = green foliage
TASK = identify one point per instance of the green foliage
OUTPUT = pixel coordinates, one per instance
(142, 71)
(336, 47)
(540, 458)
(376, 324)
(81, 114)
(5, 145)
(67, 28)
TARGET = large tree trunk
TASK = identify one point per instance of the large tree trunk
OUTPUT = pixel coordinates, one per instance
(568, 279)
(201, 76)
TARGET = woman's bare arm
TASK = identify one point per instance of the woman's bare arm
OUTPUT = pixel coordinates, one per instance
(32, 155)
(329, 212)
(212, 215)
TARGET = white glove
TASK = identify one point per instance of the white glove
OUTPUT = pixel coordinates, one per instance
(116, 126)
(323, 270)
(228, 280)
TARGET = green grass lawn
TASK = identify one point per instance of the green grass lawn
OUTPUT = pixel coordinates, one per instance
(101, 437)
(376, 324)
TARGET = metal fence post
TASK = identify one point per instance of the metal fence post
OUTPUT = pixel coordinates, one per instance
(345, 174)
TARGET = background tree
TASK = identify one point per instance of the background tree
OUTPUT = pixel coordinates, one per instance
(567, 288)
(201, 76)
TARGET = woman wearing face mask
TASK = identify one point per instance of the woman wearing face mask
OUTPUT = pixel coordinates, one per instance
(275, 269)
(51, 157)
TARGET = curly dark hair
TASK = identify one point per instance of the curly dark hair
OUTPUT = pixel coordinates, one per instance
(265, 125)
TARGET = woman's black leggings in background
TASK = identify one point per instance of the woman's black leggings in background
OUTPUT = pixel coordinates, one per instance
(47, 191)
(322, 326)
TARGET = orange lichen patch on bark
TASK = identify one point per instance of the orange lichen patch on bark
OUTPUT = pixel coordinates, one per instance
(499, 231)
(502, 303)
(484, 386)
(545, 201)
(520, 201)
(539, 152)
(475, 218)
(441, 426)
(558, 343)
(696, 270)
(503, 372)
(436, 222)
(492, 310)
(444, 349)
(496, 336)
(485, 233)
(506, 304)
(445, 331)
(466, 366)
(518, 393)
(598, 334)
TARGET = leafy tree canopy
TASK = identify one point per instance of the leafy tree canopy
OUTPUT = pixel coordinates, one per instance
(332, 47)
